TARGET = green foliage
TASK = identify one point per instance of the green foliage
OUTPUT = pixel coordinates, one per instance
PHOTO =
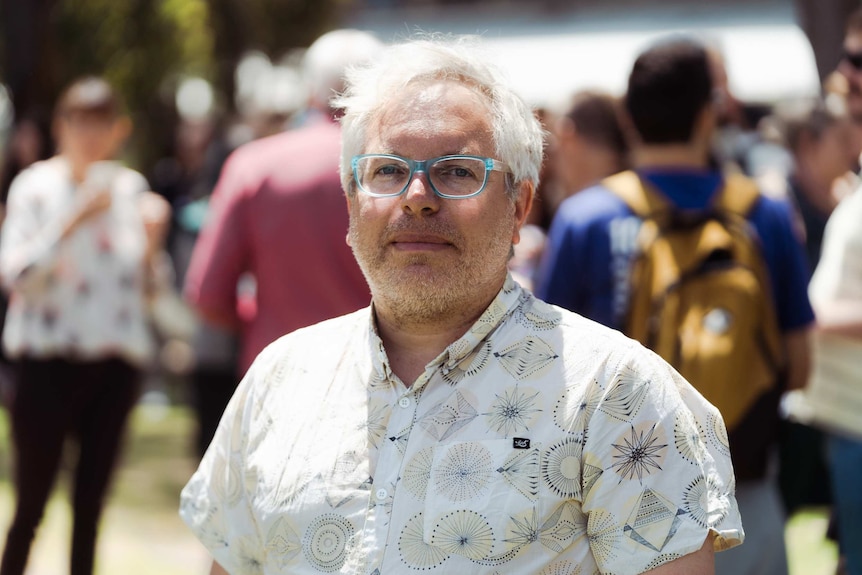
(139, 46)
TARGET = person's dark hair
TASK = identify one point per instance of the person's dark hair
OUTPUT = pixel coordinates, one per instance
(854, 22)
(808, 121)
(669, 85)
(596, 118)
(89, 95)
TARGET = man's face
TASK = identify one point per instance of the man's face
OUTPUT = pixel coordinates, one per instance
(424, 255)
(853, 46)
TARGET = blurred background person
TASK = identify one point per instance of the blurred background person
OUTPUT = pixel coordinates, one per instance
(818, 136)
(29, 142)
(277, 221)
(79, 236)
(188, 177)
(590, 142)
(585, 144)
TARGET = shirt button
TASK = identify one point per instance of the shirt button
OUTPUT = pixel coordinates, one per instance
(381, 494)
(404, 402)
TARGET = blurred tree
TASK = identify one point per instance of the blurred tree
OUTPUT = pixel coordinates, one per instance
(143, 47)
(271, 26)
(139, 45)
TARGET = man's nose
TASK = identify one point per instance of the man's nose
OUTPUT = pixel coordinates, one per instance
(419, 198)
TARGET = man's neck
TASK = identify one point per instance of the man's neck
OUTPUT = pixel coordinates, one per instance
(411, 345)
(670, 156)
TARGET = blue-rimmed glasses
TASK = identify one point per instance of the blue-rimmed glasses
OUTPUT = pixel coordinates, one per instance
(455, 177)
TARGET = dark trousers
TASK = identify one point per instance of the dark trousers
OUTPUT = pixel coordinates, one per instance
(88, 402)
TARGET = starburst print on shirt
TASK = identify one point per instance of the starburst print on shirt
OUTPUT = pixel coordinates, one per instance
(529, 357)
(378, 417)
(463, 472)
(400, 439)
(463, 532)
(524, 530)
(417, 472)
(639, 454)
(576, 407)
(561, 468)
(248, 555)
(717, 433)
(604, 536)
(564, 567)
(469, 366)
(688, 438)
(415, 553)
(513, 411)
(662, 559)
(706, 503)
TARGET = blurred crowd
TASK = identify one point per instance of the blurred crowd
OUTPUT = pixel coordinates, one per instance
(248, 220)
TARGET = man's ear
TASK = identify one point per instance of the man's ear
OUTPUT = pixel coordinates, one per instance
(349, 199)
(523, 204)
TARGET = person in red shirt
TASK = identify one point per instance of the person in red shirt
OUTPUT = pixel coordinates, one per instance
(278, 217)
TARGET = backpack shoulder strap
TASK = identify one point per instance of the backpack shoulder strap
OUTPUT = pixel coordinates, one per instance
(738, 195)
(636, 193)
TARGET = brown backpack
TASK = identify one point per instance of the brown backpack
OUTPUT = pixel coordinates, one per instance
(700, 293)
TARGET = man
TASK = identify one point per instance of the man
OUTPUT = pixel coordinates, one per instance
(458, 425)
(277, 215)
(590, 141)
(594, 240)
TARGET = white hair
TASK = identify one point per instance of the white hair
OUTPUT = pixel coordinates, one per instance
(328, 58)
(517, 133)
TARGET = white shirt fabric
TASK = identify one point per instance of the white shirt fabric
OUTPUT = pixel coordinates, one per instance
(539, 442)
(82, 296)
(834, 392)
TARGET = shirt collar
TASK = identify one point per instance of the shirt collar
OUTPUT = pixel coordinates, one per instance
(506, 301)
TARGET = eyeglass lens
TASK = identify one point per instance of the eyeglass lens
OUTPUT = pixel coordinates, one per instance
(449, 176)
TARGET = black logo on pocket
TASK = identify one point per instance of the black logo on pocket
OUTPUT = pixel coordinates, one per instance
(520, 443)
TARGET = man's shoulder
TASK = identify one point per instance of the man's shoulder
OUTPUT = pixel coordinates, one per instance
(573, 328)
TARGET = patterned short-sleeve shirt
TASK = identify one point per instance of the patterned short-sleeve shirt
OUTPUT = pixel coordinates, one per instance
(539, 442)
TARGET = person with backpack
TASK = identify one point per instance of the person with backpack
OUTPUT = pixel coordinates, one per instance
(700, 267)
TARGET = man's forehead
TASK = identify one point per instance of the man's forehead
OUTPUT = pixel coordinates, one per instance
(442, 108)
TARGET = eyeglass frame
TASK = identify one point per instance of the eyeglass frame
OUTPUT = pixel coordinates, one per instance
(420, 166)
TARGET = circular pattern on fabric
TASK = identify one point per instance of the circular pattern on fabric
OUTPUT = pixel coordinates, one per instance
(717, 433)
(464, 471)
(564, 567)
(463, 532)
(415, 553)
(326, 540)
(703, 501)
(688, 438)
(561, 468)
(417, 473)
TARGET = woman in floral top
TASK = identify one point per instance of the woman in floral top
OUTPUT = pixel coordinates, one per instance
(75, 253)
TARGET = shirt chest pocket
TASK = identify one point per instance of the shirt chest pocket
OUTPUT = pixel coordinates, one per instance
(481, 500)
